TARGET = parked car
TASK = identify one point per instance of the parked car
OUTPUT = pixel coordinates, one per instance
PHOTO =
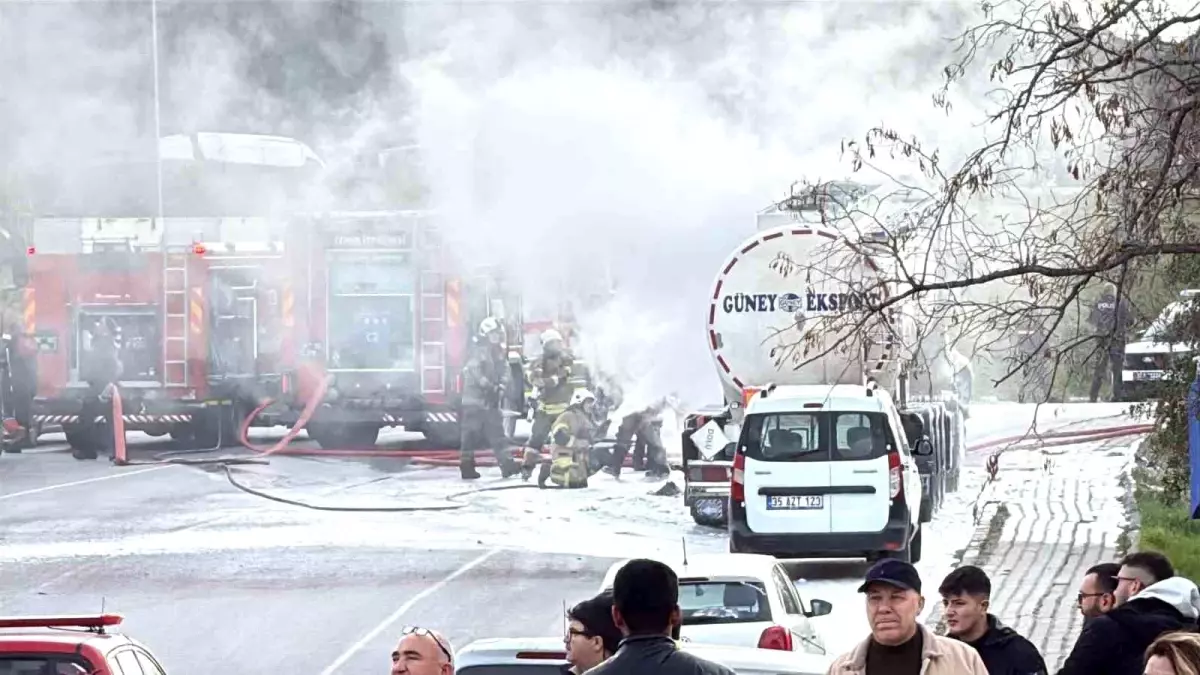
(546, 656)
(72, 645)
(743, 600)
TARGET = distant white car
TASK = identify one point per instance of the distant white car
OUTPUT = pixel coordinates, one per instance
(546, 656)
(742, 600)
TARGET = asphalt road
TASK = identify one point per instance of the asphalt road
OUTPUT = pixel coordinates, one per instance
(210, 576)
(167, 547)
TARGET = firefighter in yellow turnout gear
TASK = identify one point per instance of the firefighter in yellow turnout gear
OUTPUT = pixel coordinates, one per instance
(554, 375)
(572, 437)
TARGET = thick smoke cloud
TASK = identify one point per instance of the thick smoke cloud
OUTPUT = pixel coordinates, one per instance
(590, 142)
(613, 149)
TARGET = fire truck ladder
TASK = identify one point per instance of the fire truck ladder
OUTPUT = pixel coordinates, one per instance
(175, 315)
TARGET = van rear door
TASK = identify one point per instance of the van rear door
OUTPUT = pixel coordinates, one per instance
(860, 497)
(787, 473)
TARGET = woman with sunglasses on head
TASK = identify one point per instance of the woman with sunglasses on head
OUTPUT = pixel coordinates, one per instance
(591, 636)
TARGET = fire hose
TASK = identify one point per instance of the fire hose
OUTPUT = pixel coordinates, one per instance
(261, 455)
(1049, 439)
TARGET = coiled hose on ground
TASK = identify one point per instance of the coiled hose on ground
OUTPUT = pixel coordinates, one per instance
(261, 456)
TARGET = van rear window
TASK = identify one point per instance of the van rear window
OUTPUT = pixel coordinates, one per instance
(816, 436)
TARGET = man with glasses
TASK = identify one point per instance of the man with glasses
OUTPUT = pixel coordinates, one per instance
(422, 652)
(591, 637)
(1097, 591)
(1139, 570)
(1149, 601)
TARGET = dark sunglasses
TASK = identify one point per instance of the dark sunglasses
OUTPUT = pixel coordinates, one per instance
(425, 632)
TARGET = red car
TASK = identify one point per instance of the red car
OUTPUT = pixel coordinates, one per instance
(71, 645)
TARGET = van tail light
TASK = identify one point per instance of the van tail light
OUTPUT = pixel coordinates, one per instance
(895, 479)
(737, 482)
(776, 637)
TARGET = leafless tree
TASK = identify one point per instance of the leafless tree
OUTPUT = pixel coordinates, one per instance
(1087, 174)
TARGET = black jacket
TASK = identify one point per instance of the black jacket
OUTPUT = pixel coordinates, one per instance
(656, 655)
(1004, 652)
(1115, 643)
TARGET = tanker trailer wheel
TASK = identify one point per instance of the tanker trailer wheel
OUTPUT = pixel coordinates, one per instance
(343, 435)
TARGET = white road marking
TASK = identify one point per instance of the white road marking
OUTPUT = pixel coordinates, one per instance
(48, 488)
(402, 610)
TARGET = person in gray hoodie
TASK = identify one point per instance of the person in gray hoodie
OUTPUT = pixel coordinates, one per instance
(1114, 643)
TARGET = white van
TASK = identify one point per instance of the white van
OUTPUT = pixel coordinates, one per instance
(825, 472)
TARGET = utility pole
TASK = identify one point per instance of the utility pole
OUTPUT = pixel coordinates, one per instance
(158, 168)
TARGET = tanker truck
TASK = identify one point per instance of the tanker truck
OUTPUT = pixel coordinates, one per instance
(842, 424)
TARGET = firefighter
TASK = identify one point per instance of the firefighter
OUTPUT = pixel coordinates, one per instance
(102, 368)
(553, 376)
(486, 375)
(20, 375)
(572, 436)
(645, 426)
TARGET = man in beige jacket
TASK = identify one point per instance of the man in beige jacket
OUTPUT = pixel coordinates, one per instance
(898, 644)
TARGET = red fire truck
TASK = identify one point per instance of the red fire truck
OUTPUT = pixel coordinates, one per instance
(196, 303)
(197, 308)
(389, 312)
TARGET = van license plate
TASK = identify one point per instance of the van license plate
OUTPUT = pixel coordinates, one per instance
(795, 503)
(1148, 375)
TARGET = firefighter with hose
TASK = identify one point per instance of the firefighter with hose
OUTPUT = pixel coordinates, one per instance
(554, 379)
(486, 376)
(648, 450)
(572, 436)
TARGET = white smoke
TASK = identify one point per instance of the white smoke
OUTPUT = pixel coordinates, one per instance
(624, 143)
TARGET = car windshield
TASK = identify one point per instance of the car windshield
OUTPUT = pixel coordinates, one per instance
(56, 664)
(723, 601)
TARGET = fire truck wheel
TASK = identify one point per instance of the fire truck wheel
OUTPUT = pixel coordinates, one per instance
(216, 427)
(83, 445)
(446, 436)
(182, 433)
(343, 436)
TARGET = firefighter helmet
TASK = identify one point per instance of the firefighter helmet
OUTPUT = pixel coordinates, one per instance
(582, 396)
(550, 335)
(489, 325)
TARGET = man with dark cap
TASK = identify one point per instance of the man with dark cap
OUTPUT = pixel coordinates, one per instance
(899, 644)
(646, 609)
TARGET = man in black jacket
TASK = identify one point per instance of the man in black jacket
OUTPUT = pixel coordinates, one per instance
(1151, 601)
(646, 609)
(966, 594)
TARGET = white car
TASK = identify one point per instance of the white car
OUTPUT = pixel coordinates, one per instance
(742, 600)
(826, 472)
(546, 656)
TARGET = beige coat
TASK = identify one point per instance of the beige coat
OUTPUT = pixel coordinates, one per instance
(939, 656)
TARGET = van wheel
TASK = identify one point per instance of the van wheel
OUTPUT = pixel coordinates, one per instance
(914, 547)
(927, 505)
